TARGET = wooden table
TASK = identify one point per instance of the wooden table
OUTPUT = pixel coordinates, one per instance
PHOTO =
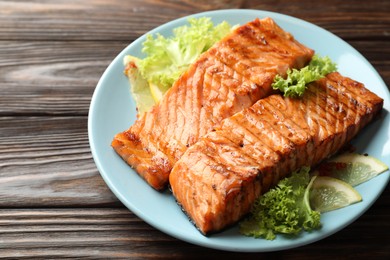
(53, 201)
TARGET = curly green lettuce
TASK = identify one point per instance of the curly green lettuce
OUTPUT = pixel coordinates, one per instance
(284, 209)
(294, 85)
(167, 58)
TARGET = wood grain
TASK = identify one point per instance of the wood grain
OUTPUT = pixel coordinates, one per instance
(94, 19)
(117, 20)
(113, 233)
(46, 161)
(51, 77)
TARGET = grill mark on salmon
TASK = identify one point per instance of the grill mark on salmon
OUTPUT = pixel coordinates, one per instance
(218, 179)
(250, 40)
(264, 140)
(229, 77)
(299, 133)
(261, 126)
(250, 140)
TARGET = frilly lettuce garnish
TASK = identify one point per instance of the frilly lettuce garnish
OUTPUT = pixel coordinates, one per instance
(284, 209)
(294, 84)
(167, 58)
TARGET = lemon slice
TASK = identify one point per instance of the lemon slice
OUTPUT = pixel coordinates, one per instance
(329, 193)
(157, 91)
(139, 87)
(353, 168)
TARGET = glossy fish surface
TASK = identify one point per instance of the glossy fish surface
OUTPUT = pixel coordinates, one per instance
(218, 179)
(231, 76)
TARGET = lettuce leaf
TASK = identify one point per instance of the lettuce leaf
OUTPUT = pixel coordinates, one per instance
(283, 210)
(167, 58)
(294, 85)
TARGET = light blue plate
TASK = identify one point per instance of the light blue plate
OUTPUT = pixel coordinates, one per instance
(113, 110)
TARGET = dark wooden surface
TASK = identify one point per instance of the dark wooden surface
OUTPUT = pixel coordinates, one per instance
(53, 202)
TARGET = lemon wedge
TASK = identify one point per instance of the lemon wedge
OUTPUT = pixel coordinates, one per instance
(353, 168)
(139, 87)
(157, 91)
(329, 193)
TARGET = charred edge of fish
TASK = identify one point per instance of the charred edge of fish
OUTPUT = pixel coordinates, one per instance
(169, 188)
(132, 137)
(259, 177)
(187, 215)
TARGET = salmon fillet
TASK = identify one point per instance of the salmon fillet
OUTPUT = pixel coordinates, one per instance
(217, 180)
(230, 76)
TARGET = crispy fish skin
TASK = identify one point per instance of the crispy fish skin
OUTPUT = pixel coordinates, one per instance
(230, 76)
(217, 180)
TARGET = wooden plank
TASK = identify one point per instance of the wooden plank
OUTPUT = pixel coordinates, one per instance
(52, 77)
(58, 78)
(93, 19)
(117, 20)
(112, 232)
(56, 63)
(46, 161)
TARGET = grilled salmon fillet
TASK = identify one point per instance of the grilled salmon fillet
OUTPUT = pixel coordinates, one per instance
(217, 180)
(230, 76)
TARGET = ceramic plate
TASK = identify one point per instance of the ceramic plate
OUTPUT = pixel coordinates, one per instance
(112, 110)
